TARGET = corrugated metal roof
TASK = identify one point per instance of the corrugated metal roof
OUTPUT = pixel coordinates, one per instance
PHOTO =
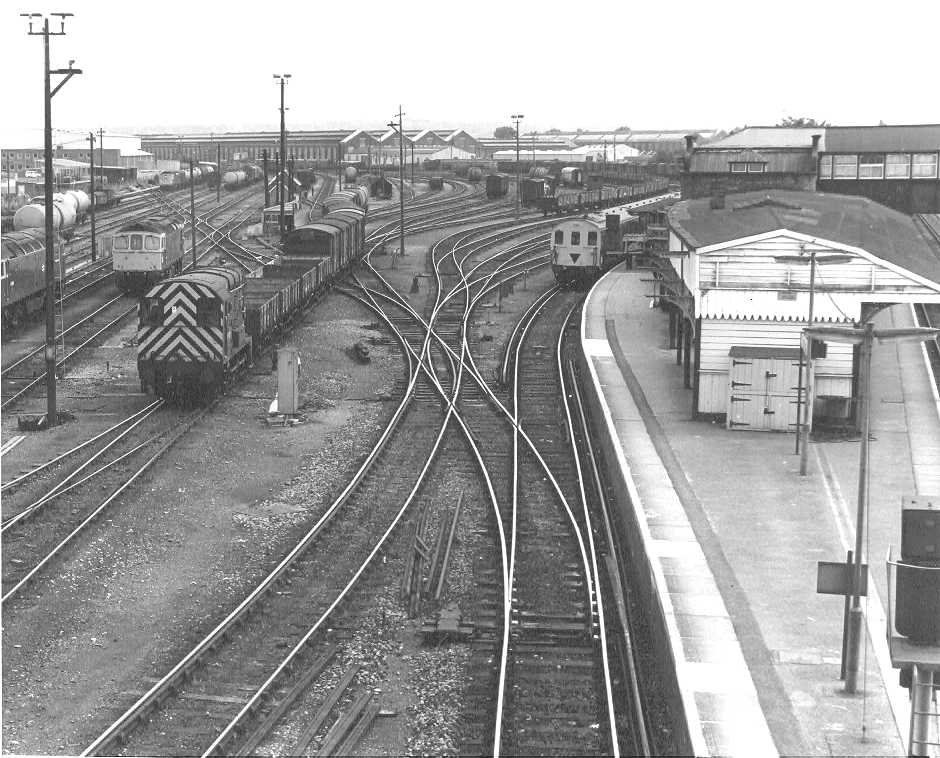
(850, 220)
(772, 136)
(709, 161)
(875, 139)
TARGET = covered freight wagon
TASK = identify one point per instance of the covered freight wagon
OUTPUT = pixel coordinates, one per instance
(497, 185)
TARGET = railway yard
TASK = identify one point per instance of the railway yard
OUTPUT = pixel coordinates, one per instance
(490, 524)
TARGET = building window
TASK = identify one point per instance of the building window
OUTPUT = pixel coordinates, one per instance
(871, 166)
(738, 168)
(825, 167)
(924, 166)
(592, 238)
(897, 166)
(756, 168)
(575, 238)
(845, 167)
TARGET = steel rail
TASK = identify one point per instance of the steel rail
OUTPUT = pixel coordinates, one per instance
(638, 712)
(57, 490)
(113, 496)
(152, 697)
(37, 469)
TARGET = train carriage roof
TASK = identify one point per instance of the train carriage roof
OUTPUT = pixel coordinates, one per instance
(23, 242)
(307, 230)
(153, 224)
(218, 280)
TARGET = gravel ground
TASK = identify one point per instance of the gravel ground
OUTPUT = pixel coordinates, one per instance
(167, 562)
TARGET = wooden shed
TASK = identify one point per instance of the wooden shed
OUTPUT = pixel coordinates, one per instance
(738, 275)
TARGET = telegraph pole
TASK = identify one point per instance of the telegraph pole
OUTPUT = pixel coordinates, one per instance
(283, 154)
(218, 173)
(91, 188)
(517, 118)
(101, 151)
(48, 94)
(290, 177)
(192, 209)
(401, 180)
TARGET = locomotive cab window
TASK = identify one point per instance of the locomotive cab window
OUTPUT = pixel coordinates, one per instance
(151, 242)
(559, 237)
(137, 242)
(592, 238)
(120, 242)
(151, 312)
(575, 238)
(208, 313)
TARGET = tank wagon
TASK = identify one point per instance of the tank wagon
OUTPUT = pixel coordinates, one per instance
(497, 185)
(240, 177)
(68, 209)
(22, 274)
(198, 330)
(350, 174)
(584, 246)
(144, 251)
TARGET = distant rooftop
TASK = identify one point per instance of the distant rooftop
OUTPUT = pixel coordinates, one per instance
(769, 137)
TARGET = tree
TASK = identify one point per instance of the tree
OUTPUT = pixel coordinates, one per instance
(504, 132)
(802, 121)
(553, 130)
(622, 129)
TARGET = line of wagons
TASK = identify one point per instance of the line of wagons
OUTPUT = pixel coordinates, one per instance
(198, 330)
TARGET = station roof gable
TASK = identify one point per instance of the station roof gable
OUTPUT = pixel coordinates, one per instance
(850, 221)
(771, 137)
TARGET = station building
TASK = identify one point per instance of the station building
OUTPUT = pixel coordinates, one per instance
(736, 281)
(893, 165)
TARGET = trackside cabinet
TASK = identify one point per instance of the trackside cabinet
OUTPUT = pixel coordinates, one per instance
(763, 384)
(918, 580)
(288, 379)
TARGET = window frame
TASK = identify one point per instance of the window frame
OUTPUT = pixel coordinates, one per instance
(825, 167)
(204, 313)
(737, 167)
(576, 239)
(854, 164)
(906, 164)
(935, 162)
(153, 239)
(761, 167)
(121, 238)
(139, 238)
(559, 237)
(590, 234)
(868, 162)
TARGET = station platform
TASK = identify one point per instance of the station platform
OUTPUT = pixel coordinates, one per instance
(731, 533)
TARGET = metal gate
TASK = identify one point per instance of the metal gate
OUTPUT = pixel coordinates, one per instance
(763, 388)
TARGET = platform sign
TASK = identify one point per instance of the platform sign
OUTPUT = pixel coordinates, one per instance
(836, 578)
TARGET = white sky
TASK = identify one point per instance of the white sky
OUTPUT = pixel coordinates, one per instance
(205, 64)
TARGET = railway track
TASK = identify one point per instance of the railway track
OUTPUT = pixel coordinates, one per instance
(42, 528)
(25, 361)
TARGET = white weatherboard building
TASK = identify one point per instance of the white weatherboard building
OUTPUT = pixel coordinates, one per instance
(738, 273)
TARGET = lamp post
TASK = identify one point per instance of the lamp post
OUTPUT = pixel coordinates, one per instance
(280, 176)
(517, 118)
(401, 180)
(863, 336)
(48, 94)
(803, 407)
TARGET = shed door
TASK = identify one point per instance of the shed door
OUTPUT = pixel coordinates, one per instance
(762, 393)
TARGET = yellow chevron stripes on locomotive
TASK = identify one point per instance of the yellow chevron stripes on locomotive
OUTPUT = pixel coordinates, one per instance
(186, 344)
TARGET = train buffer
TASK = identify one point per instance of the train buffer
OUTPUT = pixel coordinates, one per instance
(447, 624)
